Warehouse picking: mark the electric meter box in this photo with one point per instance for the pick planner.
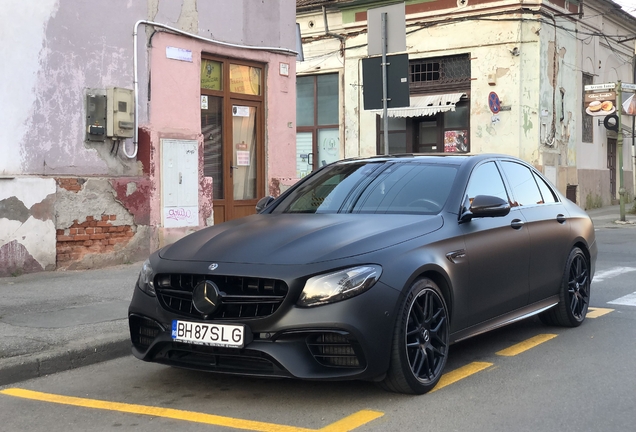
(121, 113)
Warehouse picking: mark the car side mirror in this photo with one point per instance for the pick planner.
(264, 202)
(485, 206)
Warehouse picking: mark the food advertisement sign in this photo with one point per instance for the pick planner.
(600, 104)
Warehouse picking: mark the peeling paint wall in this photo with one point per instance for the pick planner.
(101, 207)
(27, 225)
(532, 62)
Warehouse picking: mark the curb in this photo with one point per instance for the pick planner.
(21, 368)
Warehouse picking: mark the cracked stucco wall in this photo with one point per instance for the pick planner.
(27, 225)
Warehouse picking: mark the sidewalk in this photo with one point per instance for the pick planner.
(55, 321)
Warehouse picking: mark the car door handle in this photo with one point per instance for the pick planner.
(561, 219)
(517, 223)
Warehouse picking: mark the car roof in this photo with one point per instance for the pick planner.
(433, 158)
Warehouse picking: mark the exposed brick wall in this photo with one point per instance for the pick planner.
(73, 184)
(91, 237)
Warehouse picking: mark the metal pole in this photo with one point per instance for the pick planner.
(385, 117)
(621, 190)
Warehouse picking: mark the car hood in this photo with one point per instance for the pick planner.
(299, 238)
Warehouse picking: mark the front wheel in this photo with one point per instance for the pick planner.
(420, 341)
(574, 295)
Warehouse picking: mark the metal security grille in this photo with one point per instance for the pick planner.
(241, 297)
(438, 72)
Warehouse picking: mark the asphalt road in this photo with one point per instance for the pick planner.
(525, 377)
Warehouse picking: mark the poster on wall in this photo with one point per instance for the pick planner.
(456, 141)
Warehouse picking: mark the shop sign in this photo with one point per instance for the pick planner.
(600, 104)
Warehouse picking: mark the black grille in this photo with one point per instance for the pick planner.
(221, 360)
(334, 350)
(241, 297)
(143, 331)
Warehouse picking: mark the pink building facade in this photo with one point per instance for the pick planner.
(111, 152)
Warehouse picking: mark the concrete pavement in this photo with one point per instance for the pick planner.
(55, 321)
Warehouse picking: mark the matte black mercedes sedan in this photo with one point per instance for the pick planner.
(368, 269)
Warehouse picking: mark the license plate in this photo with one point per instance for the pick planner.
(221, 335)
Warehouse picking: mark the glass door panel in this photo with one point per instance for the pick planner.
(304, 155)
(244, 152)
(212, 130)
(328, 146)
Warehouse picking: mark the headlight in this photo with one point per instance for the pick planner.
(340, 285)
(146, 279)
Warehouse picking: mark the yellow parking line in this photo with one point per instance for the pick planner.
(526, 345)
(461, 373)
(353, 421)
(593, 312)
(348, 423)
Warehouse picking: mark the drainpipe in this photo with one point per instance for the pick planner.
(193, 36)
(327, 32)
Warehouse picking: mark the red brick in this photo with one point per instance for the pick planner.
(88, 243)
(90, 218)
(104, 217)
(103, 224)
(59, 232)
(97, 236)
(63, 257)
(64, 238)
(93, 223)
(98, 230)
(75, 256)
(113, 217)
(127, 227)
(82, 237)
(130, 234)
(90, 230)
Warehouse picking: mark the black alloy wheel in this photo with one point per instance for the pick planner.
(420, 346)
(574, 296)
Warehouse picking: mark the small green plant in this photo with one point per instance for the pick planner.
(17, 273)
(592, 202)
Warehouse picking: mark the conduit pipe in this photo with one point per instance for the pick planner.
(193, 36)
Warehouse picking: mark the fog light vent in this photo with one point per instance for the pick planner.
(143, 331)
(334, 350)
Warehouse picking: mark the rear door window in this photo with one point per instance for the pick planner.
(524, 187)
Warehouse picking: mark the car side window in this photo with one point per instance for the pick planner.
(524, 187)
(546, 191)
(486, 180)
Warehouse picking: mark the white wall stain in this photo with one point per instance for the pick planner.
(25, 29)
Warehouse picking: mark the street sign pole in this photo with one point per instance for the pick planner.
(619, 141)
(385, 101)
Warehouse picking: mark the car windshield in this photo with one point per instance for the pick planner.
(409, 188)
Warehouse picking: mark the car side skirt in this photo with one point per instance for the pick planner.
(505, 319)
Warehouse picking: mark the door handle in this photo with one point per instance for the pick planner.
(310, 160)
(560, 218)
(517, 223)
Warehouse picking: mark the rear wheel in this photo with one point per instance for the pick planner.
(574, 296)
(420, 341)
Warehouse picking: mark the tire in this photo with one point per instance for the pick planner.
(420, 341)
(574, 294)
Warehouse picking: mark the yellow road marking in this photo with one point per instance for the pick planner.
(461, 373)
(353, 421)
(593, 312)
(346, 424)
(526, 345)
